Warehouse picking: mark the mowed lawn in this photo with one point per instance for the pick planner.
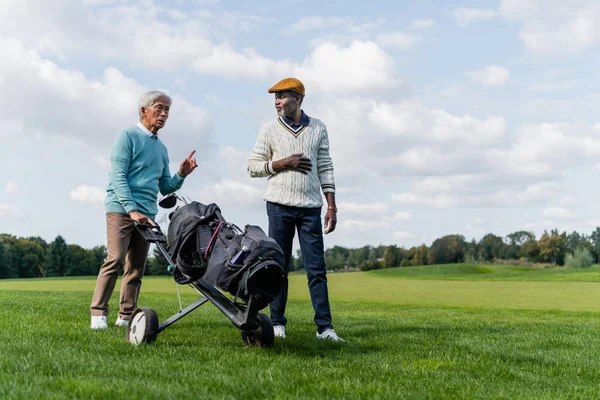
(455, 331)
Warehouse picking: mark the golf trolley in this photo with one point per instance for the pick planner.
(257, 329)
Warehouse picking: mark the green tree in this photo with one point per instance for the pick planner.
(420, 257)
(336, 257)
(98, 254)
(391, 257)
(595, 241)
(80, 262)
(157, 264)
(530, 250)
(7, 269)
(298, 261)
(553, 247)
(490, 246)
(57, 257)
(28, 258)
(519, 237)
(447, 249)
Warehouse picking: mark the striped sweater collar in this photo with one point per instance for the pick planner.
(293, 128)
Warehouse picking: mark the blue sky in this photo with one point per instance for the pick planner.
(444, 117)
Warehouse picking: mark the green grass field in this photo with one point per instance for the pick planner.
(434, 332)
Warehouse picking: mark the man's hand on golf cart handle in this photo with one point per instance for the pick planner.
(140, 218)
(188, 165)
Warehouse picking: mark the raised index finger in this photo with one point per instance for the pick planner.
(191, 154)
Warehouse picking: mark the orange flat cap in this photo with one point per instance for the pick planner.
(288, 84)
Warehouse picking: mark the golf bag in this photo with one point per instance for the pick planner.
(202, 244)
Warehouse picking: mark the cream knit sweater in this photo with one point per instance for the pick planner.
(276, 141)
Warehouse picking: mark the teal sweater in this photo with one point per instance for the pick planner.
(139, 169)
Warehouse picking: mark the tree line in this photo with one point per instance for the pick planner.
(33, 257)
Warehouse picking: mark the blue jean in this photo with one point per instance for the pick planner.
(283, 222)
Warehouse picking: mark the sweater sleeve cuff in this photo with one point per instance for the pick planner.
(269, 168)
(328, 188)
(129, 207)
(178, 178)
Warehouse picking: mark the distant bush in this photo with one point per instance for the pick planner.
(582, 258)
(370, 265)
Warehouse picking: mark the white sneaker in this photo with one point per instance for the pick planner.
(98, 322)
(329, 334)
(279, 331)
(121, 322)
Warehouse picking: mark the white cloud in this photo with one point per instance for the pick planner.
(460, 197)
(365, 209)
(422, 24)
(360, 66)
(110, 102)
(557, 213)
(364, 225)
(555, 26)
(397, 40)
(230, 193)
(402, 216)
(410, 119)
(88, 194)
(492, 75)
(315, 23)
(11, 188)
(10, 211)
(401, 235)
(465, 16)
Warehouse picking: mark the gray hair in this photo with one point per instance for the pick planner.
(149, 98)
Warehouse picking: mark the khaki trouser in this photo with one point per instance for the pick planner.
(127, 249)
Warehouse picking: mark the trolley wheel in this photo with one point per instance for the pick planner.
(143, 326)
(263, 336)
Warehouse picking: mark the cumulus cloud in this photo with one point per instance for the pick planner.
(422, 24)
(364, 209)
(532, 194)
(557, 213)
(364, 225)
(397, 40)
(402, 216)
(110, 102)
(554, 26)
(492, 75)
(360, 66)
(315, 22)
(88, 194)
(10, 211)
(465, 16)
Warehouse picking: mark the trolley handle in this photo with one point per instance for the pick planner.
(152, 233)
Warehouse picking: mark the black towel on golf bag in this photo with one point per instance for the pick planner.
(202, 243)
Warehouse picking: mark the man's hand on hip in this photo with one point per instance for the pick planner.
(330, 221)
(140, 218)
(188, 165)
(295, 162)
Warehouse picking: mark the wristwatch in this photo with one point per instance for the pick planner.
(334, 208)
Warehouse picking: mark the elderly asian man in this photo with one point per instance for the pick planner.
(139, 170)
